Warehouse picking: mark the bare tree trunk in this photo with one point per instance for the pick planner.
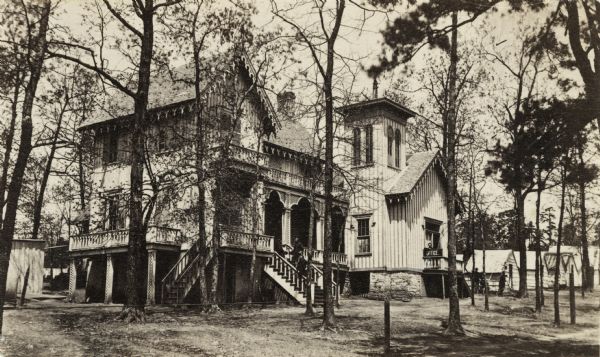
(134, 309)
(471, 236)
(486, 293)
(521, 241)
(328, 314)
(38, 48)
(39, 202)
(310, 310)
(10, 135)
(538, 253)
(558, 243)
(585, 266)
(454, 325)
(200, 174)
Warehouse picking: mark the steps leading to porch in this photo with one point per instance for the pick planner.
(285, 274)
(180, 280)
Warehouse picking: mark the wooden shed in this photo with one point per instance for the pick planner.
(25, 253)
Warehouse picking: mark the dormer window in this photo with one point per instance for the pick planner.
(369, 144)
(397, 144)
(356, 145)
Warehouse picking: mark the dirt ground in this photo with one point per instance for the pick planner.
(510, 328)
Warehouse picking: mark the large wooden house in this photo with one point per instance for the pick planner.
(388, 222)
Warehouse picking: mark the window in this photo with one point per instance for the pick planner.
(110, 148)
(390, 135)
(432, 235)
(162, 139)
(363, 237)
(116, 213)
(356, 143)
(397, 142)
(369, 144)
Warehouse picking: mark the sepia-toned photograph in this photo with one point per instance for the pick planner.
(299, 178)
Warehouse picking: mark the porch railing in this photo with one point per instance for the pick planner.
(245, 240)
(336, 257)
(120, 238)
(243, 154)
(298, 181)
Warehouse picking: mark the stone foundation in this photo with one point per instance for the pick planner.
(400, 285)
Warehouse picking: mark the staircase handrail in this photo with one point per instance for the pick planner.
(319, 271)
(194, 250)
(291, 267)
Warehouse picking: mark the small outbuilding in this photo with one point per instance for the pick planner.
(25, 254)
(495, 262)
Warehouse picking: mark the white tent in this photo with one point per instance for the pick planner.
(495, 261)
(531, 267)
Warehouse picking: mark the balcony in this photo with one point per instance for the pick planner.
(120, 239)
(244, 155)
(299, 182)
(238, 240)
(336, 257)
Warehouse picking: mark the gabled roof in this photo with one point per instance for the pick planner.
(416, 166)
(495, 260)
(178, 88)
(377, 102)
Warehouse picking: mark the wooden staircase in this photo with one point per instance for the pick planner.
(184, 274)
(285, 274)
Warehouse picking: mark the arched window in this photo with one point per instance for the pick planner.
(390, 136)
(369, 144)
(397, 142)
(356, 143)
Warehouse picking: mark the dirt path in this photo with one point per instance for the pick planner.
(509, 329)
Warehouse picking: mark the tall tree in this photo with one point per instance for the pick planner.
(32, 19)
(323, 45)
(145, 11)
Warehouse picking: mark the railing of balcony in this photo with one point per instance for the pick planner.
(120, 238)
(243, 154)
(336, 257)
(298, 181)
(246, 240)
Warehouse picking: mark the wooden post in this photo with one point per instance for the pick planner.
(72, 279)
(24, 292)
(151, 279)
(572, 296)
(443, 287)
(108, 285)
(386, 323)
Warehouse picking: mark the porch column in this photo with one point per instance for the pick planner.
(151, 288)
(260, 193)
(72, 279)
(286, 226)
(108, 286)
(320, 233)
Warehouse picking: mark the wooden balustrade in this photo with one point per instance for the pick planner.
(288, 271)
(120, 238)
(298, 181)
(246, 240)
